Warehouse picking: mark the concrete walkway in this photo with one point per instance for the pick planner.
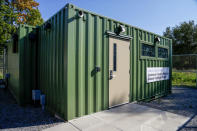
(129, 117)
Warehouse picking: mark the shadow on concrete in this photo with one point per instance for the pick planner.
(186, 125)
(182, 101)
(24, 118)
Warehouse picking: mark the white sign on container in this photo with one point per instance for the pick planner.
(154, 74)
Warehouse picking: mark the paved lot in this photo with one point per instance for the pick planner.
(129, 117)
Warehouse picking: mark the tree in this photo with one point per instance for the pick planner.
(15, 12)
(27, 12)
(184, 37)
(7, 15)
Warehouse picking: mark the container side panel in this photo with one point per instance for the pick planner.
(87, 87)
(71, 58)
(52, 63)
(21, 65)
(29, 60)
(140, 89)
(105, 67)
(13, 69)
(81, 68)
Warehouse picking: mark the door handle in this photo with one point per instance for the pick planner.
(111, 76)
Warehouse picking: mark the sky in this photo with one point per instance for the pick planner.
(151, 15)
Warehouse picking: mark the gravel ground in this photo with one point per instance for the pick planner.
(28, 118)
(182, 101)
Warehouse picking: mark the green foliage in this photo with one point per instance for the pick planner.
(15, 12)
(184, 37)
(27, 12)
(184, 62)
(7, 16)
(184, 79)
(35, 18)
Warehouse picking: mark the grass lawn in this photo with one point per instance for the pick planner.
(184, 79)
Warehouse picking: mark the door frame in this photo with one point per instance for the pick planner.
(121, 37)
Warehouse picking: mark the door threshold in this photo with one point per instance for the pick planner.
(118, 105)
(122, 104)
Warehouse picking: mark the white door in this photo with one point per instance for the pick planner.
(119, 77)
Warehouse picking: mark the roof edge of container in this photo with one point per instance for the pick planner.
(69, 5)
(26, 25)
(65, 6)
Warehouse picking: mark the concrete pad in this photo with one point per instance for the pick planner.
(129, 117)
(102, 127)
(86, 122)
(172, 121)
(62, 127)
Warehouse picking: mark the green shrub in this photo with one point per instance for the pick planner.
(184, 79)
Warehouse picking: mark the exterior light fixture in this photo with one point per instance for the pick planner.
(120, 29)
(47, 26)
(157, 39)
(80, 14)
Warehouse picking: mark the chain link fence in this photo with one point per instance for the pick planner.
(3, 64)
(184, 72)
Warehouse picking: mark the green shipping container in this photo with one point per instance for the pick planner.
(87, 63)
(21, 60)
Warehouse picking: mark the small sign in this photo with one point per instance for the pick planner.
(154, 74)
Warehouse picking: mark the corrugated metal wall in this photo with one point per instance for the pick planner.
(27, 52)
(69, 53)
(139, 88)
(13, 69)
(21, 65)
(52, 63)
(87, 48)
